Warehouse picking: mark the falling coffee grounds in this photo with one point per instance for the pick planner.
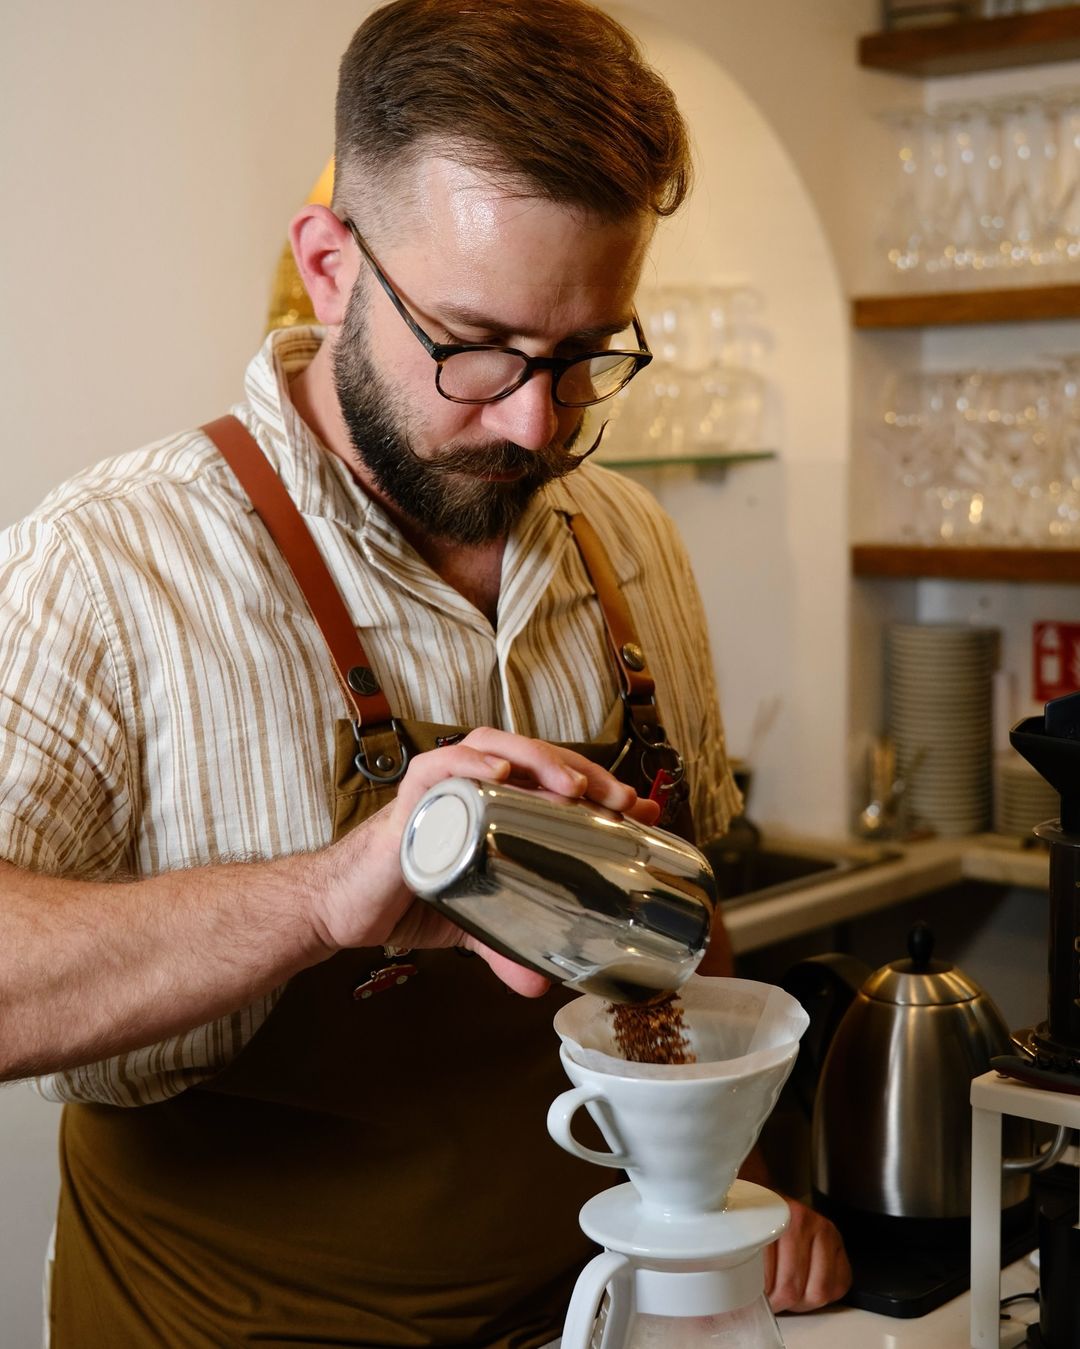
(651, 1032)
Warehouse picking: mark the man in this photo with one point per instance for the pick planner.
(208, 758)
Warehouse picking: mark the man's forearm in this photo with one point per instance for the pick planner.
(91, 969)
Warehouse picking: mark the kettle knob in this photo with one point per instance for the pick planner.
(920, 945)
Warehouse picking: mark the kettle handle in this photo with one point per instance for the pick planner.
(826, 986)
(611, 1270)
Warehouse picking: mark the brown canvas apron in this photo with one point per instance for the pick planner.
(370, 1171)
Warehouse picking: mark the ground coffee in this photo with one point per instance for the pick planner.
(651, 1032)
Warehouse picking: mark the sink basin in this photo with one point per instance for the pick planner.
(749, 871)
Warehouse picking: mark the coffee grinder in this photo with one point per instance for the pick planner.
(1041, 1081)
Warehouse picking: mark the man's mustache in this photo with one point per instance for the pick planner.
(504, 457)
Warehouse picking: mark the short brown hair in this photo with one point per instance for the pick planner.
(552, 97)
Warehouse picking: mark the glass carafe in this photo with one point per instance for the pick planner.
(628, 1300)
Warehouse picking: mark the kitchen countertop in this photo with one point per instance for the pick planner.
(920, 868)
(949, 1327)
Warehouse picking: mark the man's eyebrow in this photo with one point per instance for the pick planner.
(467, 317)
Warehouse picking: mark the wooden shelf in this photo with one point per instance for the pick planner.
(899, 561)
(976, 44)
(1030, 304)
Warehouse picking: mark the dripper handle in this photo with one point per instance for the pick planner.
(607, 1270)
(560, 1115)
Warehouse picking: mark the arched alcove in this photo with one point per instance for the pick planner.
(768, 541)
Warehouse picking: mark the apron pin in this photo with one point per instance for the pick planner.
(389, 976)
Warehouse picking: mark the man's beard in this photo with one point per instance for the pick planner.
(449, 495)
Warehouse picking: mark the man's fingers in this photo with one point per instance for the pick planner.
(500, 756)
(526, 982)
(789, 1274)
(808, 1267)
(830, 1272)
(558, 770)
(455, 761)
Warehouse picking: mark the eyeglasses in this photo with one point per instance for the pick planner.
(483, 373)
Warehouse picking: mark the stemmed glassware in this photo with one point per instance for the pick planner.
(984, 456)
(905, 446)
(701, 396)
(986, 185)
(1063, 173)
(1063, 494)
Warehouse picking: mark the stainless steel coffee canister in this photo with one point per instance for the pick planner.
(575, 891)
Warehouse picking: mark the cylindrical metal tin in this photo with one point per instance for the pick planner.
(568, 888)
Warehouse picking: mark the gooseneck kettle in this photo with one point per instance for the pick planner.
(891, 1132)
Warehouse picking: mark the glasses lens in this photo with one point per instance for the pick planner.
(594, 378)
(474, 376)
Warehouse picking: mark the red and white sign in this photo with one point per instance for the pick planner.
(1056, 648)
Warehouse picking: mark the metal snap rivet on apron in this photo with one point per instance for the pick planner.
(384, 763)
(633, 655)
(362, 680)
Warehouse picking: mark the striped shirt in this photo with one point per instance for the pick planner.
(166, 700)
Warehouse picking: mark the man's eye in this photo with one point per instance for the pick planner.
(458, 340)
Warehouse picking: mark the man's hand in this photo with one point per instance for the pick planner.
(368, 904)
(808, 1267)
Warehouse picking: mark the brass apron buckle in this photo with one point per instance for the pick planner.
(386, 768)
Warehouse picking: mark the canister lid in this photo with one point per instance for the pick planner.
(441, 837)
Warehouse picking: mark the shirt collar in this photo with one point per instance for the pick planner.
(318, 482)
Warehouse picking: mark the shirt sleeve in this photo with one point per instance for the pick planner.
(65, 803)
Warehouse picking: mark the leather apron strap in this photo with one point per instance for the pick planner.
(355, 675)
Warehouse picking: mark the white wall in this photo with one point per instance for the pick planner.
(150, 158)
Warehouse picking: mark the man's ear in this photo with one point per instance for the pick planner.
(322, 247)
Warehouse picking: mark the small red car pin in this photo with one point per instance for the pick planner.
(378, 981)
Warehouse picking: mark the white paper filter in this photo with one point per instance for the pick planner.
(733, 1027)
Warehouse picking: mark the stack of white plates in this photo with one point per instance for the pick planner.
(939, 713)
(1022, 799)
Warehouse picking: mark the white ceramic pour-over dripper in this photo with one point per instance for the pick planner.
(680, 1132)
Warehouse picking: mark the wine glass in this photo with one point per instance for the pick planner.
(904, 445)
(906, 224)
(1062, 110)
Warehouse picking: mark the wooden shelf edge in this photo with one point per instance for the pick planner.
(1039, 38)
(1029, 304)
(1054, 566)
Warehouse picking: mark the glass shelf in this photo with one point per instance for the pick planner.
(718, 461)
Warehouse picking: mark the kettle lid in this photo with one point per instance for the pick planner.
(918, 979)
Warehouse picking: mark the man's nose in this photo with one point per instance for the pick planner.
(528, 416)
